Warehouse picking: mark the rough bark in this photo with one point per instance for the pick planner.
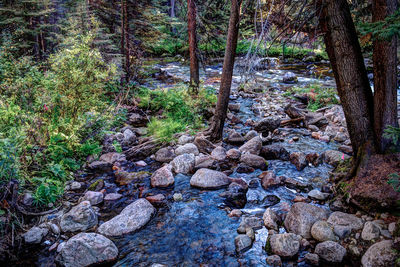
(218, 121)
(348, 66)
(125, 39)
(194, 63)
(385, 80)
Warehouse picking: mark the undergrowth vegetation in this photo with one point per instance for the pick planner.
(318, 96)
(52, 119)
(179, 110)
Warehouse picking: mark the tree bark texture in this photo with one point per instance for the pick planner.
(218, 121)
(125, 39)
(194, 63)
(347, 61)
(385, 80)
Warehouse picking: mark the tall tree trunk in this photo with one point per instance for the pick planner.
(348, 66)
(218, 121)
(172, 13)
(385, 78)
(125, 39)
(194, 63)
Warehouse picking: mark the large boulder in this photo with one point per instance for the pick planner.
(242, 243)
(162, 177)
(381, 254)
(268, 125)
(183, 163)
(132, 218)
(285, 245)
(209, 179)
(371, 231)
(219, 153)
(301, 218)
(87, 249)
(253, 146)
(330, 251)
(235, 196)
(254, 161)
(188, 148)
(344, 223)
(79, 218)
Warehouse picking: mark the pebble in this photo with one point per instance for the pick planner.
(177, 197)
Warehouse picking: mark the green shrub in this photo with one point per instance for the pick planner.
(318, 96)
(180, 110)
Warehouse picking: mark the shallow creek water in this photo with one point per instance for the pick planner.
(197, 230)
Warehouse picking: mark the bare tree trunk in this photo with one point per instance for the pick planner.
(218, 121)
(172, 9)
(385, 78)
(125, 51)
(194, 63)
(348, 66)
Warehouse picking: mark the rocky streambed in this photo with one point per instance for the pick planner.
(262, 197)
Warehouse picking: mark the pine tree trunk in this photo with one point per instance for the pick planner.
(348, 66)
(385, 78)
(218, 121)
(194, 63)
(125, 39)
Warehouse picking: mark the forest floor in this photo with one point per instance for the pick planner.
(270, 192)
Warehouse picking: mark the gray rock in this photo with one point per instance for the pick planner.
(132, 218)
(184, 139)
(271, 219)
(188, 148)
(206, 161)
(112, 197)
(235, 138)
(254, 161)
(183, 163)
(79, 218)
(209, 179)
(204, 145)
(299, 160)
(271, 152)
(93, 197)
(35, 235)
(322, 231)
(113, 157)
(87, 249)
(316, 194)
(243, 243)
(177, 197)
(269, 179)
(235, 107)
(75, 185)
(129, 137)
(344, 223)
(165, 155)
(392, 227)
(27, 199)
(250, 135)
(219, 153)
(274, 261)
(233, 154)
(370, 231)
(312, 259)
(301, 218)
(334, 157)
(330, 251)
(268, 125)
(285, 245)
(100, 166)
(381, 254)
(252, 222)
(289, 77)
(253, 146)
(162, 177)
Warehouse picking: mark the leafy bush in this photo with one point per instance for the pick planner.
(318, 97)
(180, 110)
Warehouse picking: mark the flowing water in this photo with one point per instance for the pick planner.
(197, 230)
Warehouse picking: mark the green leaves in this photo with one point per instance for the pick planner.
(385, 29)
